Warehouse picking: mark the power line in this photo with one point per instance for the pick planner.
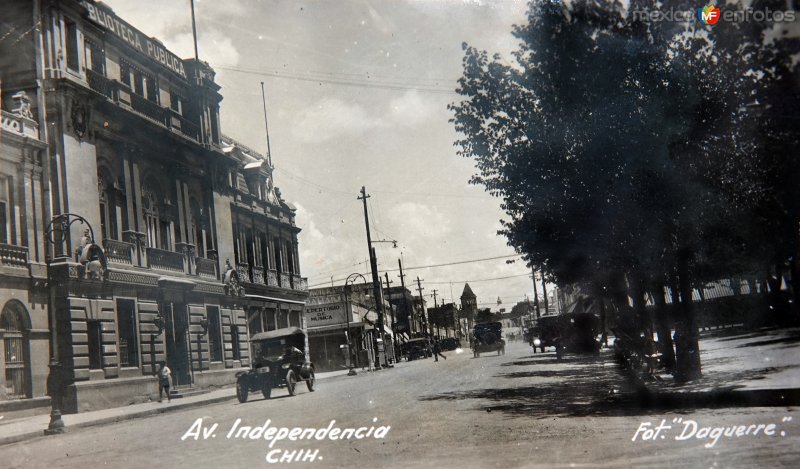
(479, 280)
(342, 81)
(455, 263)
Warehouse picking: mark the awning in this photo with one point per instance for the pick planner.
(334, 327)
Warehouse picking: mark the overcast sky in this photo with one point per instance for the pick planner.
(357, 95)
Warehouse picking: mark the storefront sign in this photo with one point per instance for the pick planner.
(325, 315)
(109, 21)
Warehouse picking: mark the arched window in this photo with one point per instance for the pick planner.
(16, 323)
(158, 227)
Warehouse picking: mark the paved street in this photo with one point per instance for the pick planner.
(516, 410)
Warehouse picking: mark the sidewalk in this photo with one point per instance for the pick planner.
(740, 368)
(12, 431)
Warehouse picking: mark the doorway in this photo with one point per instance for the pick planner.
(178, 343)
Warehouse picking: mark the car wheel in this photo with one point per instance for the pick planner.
(241, 391)
(266, 391)
(291, 382)
(310, 381)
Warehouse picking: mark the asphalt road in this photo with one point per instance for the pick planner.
(516, 410)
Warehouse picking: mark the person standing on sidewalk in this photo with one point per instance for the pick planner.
(164, 380)
(437, 350)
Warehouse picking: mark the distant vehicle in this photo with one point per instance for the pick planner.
(568, 333)
(278, 360)
(488, 337)
(450, 343)
(415, 349)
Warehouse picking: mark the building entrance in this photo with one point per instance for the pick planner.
(178, 343)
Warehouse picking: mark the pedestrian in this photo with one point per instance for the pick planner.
(437, 351)
(164, 379)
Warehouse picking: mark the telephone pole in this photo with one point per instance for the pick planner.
(393, 313)
(425, 324)
(376, 285)
(535, 294)
(405, 304)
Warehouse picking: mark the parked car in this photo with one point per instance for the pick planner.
(416, 348)
(450, 343)
(488, 337)
(278, 360)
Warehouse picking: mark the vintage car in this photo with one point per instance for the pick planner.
(568, 333)
(487, 337)
(416, 348)
(278, 360)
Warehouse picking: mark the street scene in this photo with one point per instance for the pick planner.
(399, 233)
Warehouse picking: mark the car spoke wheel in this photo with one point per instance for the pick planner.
(291, 382)
(241, 391)
(310, 382)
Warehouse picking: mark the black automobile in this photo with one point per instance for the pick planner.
(568, 333)
(416, 348)
(487, 337)
(278, 360)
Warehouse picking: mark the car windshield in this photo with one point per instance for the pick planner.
(269, 349)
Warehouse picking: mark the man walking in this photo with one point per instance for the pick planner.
(437, 350)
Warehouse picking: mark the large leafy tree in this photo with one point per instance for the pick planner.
(613, 144)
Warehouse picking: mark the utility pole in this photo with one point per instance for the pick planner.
(405, 304)
(435, 304)
(535, 294)
(393, 313)
(425, 324)
(376, 286)
(544, 293)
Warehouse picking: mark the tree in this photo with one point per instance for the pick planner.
(608, 139)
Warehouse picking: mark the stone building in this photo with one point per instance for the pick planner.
(24, 333)
(171, 242)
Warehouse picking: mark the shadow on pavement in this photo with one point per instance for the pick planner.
(603, 391)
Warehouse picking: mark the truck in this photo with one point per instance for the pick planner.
(488, 337)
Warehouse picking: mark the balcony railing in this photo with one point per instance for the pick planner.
(272, 278)
(121, 93)
(206, 267)
(13, 256)
(164, 260)
(284, 278)
(244, 272)
(118, 251)
(258, 275)
(101, 84)
(299, 283)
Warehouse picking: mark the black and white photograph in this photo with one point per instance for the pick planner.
(399, 233)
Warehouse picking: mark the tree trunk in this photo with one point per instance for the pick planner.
(687, 348)
(663, 330)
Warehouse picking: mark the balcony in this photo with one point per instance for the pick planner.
(118, 251)
(258, 275)
(272, 278)
(299, 283)
(284, 279)
(13, 256)
(120, 93)
(244, 272)
(206, 268)
(165, 260)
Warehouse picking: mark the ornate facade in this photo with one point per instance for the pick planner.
(182, 247)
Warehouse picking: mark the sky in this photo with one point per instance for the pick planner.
(357, 94)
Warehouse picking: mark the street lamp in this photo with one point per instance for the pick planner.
(55, 234)
(348, 284)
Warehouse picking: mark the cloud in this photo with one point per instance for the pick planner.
(410, 109)
(333, 117)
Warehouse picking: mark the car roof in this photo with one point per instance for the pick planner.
(286, 331)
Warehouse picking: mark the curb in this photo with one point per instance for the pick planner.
(116, 418)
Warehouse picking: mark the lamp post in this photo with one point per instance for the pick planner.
(55, 234)
(348, 284)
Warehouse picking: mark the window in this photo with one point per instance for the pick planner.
(214, 333)
(237, 353)
(95, 57)
(176, 103)
(15, 348)
(126, 324)
(71, 45)
(125, 73)
(5, 218)
(95, 331)
(157, 227)
(108, 207)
